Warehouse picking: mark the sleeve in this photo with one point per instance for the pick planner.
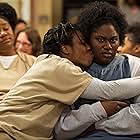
(134, 63)
(125, 122)
(73, 122)
(53, 78)
(112, 90)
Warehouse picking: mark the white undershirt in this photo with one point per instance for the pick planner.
(6, 61)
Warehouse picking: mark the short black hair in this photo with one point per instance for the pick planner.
(134, 32)
(8, 13)
(57, 36)
(97, 13)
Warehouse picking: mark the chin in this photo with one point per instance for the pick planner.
(106, 62)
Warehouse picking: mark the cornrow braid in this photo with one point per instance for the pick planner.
(59, 35)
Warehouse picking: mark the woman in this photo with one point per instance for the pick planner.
(57, 79)
(20, 25)
(132, 41)
(104, 27)
(28, 41)
(13, 64)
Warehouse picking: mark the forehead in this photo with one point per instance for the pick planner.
(106, 30)
(22, 36)
(3, 22)
(77, 34)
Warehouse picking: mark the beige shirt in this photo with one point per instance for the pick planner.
(11, 74)
(32, 107)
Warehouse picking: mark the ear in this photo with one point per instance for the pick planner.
(64, 49)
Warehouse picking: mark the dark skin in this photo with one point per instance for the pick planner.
(104, 42)
(6, 39)
(77, 54)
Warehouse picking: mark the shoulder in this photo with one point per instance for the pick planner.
(132, 58)
(57, 61)
(134, 63)
(26, 56)
(27, 59)
(60, 65)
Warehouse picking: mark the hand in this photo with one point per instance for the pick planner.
(112, 107)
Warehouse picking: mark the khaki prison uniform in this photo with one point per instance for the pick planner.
(32, 107)
(9, 76)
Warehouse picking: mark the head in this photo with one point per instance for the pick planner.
(20, 25)
(8, 19)
(132, 41)
(28, 41)
(66, 40)
(104, 27)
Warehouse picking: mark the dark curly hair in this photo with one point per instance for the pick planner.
(59, 35)
(8, 13)
(98, 13)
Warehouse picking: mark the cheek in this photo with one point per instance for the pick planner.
(29, 49)
(115, 49)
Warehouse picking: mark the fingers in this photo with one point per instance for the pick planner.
(122, 104)
(112, 107)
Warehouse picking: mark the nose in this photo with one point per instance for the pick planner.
(2, 33)
(108, 45)
(19, 46)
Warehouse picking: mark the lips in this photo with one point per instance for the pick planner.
(6, 41)
(107, 54)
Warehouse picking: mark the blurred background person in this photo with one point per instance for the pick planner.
(20, 25)
(131, 8)
(132, 41)
(28, 41)
(13, 64)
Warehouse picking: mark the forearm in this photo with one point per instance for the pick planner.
(112, 90)
(125, 122)
(73, 122)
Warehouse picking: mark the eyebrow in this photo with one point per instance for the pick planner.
(103, 36)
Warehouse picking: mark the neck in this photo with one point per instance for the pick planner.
(7, 52)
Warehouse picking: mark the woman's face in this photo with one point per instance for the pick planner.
(80, 53)
(23, 44)
(130, 47)
(104, 42)
(6, 35)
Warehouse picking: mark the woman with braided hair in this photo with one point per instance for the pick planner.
(31, 109)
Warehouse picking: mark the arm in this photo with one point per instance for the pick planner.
(112, 90)
(125, 122)
(73, 122)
